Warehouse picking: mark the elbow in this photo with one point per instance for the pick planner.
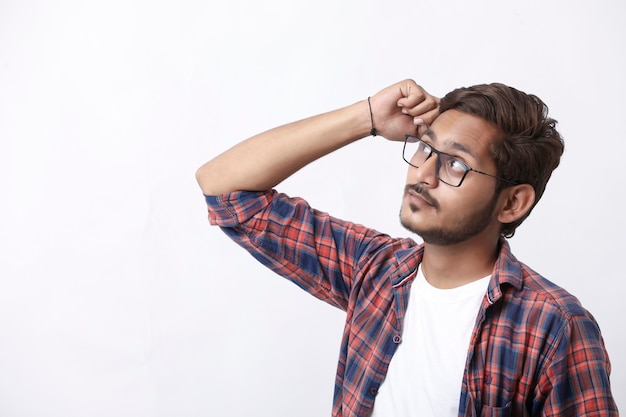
(216, 179)
(213, 180)
(203, 177)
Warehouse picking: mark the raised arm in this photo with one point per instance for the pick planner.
(262, 161)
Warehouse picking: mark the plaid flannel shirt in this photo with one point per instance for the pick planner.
(534, 351)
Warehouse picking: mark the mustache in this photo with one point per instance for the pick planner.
(418, 189)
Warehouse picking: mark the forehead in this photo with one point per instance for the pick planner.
(463, 132)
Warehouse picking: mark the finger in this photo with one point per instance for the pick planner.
(428, 117)
(412, 95)
(426, 105)
(422, 123)
(422, 129)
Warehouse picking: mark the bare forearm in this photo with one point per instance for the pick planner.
(264, 160)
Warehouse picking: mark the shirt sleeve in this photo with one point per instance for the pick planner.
(314, 250)
(576, 381)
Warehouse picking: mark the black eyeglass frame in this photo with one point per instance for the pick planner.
(438, 166)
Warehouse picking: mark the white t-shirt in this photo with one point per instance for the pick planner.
(426, 372)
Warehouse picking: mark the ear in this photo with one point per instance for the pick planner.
(515, 202)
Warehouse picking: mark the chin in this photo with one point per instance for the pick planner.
(439, 236)
(409, 223)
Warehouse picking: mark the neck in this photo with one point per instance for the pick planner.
(455, 265)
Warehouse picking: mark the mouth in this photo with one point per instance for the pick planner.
(421, 196)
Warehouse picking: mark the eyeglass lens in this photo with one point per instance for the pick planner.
(449, 169)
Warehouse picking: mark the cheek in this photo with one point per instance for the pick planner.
(465, 199)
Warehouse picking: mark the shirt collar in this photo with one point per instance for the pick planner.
(507, 269)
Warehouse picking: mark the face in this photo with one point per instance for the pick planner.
(446, 215)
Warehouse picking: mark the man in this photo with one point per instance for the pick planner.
(456, 325)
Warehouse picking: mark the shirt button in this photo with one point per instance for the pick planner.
(374, 391)
(397, 338)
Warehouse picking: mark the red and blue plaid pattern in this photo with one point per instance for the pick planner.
(535, 351)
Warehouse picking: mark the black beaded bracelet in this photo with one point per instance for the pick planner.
(373, 131)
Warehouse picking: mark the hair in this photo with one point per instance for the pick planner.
(529, 147)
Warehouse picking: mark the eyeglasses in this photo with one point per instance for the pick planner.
(450, 170)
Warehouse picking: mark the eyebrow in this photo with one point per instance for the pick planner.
(455, 145)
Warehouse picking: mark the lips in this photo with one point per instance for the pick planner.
(421, 194)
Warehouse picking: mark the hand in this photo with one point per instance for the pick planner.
(404, 108)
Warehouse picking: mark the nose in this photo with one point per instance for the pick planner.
(426, 174)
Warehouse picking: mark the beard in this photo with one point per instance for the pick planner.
(469, 225)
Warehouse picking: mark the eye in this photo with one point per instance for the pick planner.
(456, 165)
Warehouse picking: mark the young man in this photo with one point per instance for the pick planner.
(456, 325)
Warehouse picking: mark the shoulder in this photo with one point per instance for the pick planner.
(527, 301)
(545, 310)
(540, 290)
(521, 285)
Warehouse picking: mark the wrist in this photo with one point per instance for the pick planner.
(373, 128)
(364, 120)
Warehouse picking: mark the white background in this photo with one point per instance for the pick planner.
(118, 298)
